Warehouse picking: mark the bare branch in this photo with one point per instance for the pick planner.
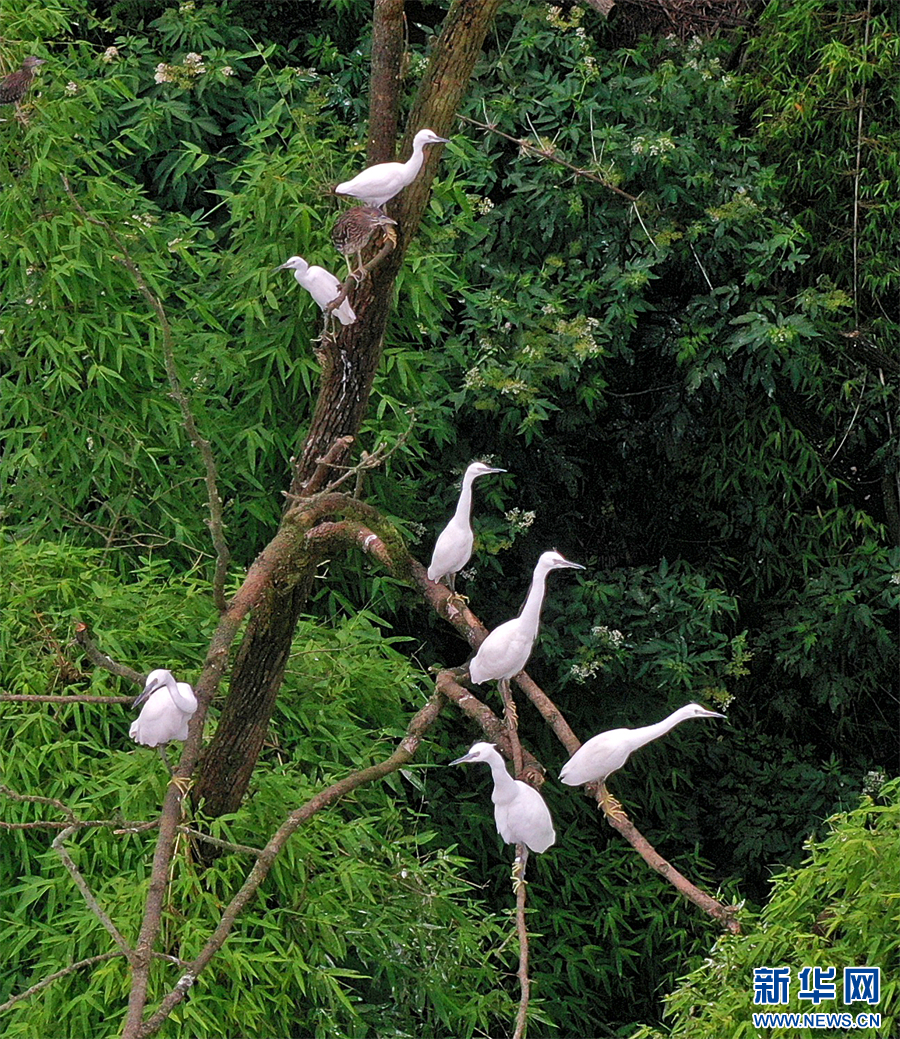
(74, 698)
(620, 821)
(448, 684)
(550, 155)
(522, 930)
(84, 639)
(214, 501)
(87, 894)
(44, 982)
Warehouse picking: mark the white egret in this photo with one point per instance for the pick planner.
(521, 814)
(453, 547)
(505, 651)
(322, 285)
(168, 707)
(378, 184)
(608, 751)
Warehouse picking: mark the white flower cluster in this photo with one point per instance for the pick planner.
(611, 636)
(652, 145)
(71, 88)
(110, 54)
(874, 780)
(181, 74)
(474, 380)
(417, 531)
(895, 578)
(518, 519)
(581, 672)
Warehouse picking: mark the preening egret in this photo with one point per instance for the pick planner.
(521, 814)
(453, 548)
(14, 87)
(322, 285)
(354, 229)
(378, 184)
(168, 707)
(507, 648)
(607, 752)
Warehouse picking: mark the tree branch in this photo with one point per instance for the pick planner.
(84, 639)
(384, 82)
(44, 982)
(620, 821)
(447, 683)
(87, 894)
(550, 155)
(214, 501)
(522, 931)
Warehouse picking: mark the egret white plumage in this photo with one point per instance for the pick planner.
(608, 751)
(521, 814)
(168, 707)
(453, 548)
(378, 184)
(322, 285)
(505, 651)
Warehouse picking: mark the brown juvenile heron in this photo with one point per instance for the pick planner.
(14, 87)
(354, 229)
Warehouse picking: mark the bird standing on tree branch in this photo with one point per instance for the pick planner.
(378, 184)
(354, 229)
(14, 87)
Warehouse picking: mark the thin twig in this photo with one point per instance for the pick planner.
(522, 929)
(544, 153)
(73, 698)
(44, 982)
(87, 894)
(214, 501)
(862, 390)
(84, 639)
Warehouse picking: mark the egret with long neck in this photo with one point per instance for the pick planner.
(453, 548)
(379, 184)
(607, 752)
(168, 707)
(521, 814)
(505, 651)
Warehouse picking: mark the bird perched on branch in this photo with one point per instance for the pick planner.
(453, 548)
(14, 87)
(378, 184)
(607, 752)
(505, 651)
(321, 285)
(521, 814)
(354, 229)
(168, 707)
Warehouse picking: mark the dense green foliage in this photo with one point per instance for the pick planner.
(689, 392)
(838, 909)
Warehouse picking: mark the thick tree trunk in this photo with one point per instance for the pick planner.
(388, 46)
(350, 358)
